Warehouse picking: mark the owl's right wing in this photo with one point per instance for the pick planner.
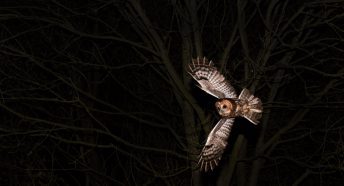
(210, 79)
(216, 143)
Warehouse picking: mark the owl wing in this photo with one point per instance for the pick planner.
(216, 143)
(210, 79)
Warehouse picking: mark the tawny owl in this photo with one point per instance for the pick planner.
(228, 106)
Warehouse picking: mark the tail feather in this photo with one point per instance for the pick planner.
(252, 106)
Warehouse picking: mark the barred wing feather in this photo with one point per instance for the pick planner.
(210, 79)
(216, 143)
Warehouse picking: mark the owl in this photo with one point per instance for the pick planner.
(228, 106)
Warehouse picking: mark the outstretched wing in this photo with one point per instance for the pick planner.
(216, 143)
(210, 79)
(251, 106)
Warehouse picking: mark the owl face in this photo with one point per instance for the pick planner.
(225, 107)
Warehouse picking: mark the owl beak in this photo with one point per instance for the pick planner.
(221, 111)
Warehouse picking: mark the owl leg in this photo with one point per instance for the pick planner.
(251, 107)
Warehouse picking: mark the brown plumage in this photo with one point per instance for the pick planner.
(246, 106)
(228, 106)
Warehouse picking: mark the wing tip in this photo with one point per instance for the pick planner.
(200, 61)
(208, 165)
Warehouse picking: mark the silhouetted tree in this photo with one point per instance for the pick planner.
(97, 93)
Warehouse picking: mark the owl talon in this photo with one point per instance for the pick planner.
(251, 107)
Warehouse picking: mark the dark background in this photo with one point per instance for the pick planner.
(96, 92)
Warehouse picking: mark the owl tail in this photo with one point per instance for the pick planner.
(251, 106)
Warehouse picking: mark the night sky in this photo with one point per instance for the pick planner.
(97, 92)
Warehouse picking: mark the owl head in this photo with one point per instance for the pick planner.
(225, 107)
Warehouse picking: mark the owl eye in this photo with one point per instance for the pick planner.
(224, 106)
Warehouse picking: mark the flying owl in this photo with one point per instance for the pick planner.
(228, 106)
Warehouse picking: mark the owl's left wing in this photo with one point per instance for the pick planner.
(210, 79)
(216, 143)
